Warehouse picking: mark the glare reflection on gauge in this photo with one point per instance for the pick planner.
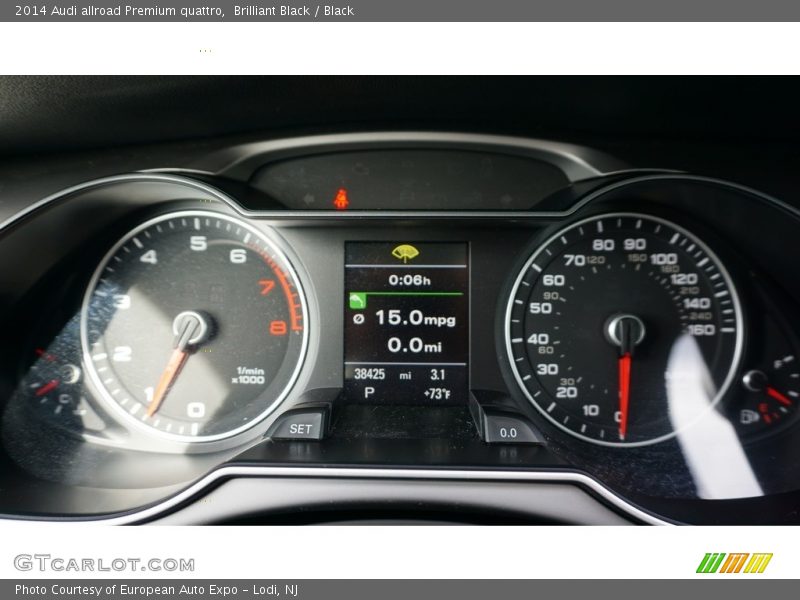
(194, 326)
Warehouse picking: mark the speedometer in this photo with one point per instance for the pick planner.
(622, 329)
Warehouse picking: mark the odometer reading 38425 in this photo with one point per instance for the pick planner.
(622, 329)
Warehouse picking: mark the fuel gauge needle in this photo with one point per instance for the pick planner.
(773, 393)
(190, 329)
(48, 387)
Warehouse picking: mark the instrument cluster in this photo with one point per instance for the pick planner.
(575, 322)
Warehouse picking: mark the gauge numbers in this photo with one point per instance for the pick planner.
(620, 326)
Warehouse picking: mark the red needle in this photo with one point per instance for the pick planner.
(624, 392)
(773, 393)
(47, 387)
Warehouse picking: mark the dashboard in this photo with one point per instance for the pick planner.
(400, 325)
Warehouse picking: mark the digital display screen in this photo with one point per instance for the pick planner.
(410, 179)
(406, 331)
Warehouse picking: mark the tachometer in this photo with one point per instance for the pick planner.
(622, 329)
(194, 326)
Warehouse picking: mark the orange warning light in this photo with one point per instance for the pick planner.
(340, 202)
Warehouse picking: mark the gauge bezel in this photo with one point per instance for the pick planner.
(560, 231)
(126, 418)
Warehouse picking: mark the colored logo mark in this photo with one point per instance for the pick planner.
(738, 562)
(358, 300)
(405, 252)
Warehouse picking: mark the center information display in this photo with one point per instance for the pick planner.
(406, 331)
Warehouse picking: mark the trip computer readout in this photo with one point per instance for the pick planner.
(406, 329)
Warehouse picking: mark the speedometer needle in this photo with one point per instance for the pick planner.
(626, 332)
(624, 362)
(190, 328)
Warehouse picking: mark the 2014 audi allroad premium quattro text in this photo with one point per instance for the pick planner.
(187, 12)
(560, 302)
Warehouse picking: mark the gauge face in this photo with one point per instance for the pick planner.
(772, 397)
(53, 385)
(621, 329)
(194, 326)
(771, 389)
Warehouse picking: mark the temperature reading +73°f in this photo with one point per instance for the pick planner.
(437, 393)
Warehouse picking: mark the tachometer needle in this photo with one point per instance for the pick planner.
(190, 329)
(174, 366)
(624, 362)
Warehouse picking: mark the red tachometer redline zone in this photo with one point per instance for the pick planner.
(292, 298)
